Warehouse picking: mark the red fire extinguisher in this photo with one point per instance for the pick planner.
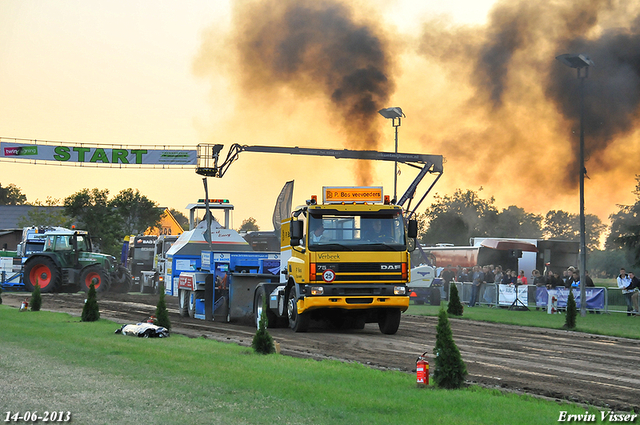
(25, 305)
(422, 370)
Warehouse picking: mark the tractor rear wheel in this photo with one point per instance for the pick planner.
(44, 272)
(97, 275)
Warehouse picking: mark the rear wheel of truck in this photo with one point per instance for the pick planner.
(258, 306)
(299, 322)
(122, 280)
(96, 275)
(44, 272)
(434, 296)
(183, 302)
(389, 321)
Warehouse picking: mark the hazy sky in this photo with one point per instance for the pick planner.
(476, 80)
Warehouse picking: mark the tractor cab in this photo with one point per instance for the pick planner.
(60, 242)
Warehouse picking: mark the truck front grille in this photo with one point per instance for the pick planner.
(362, 272)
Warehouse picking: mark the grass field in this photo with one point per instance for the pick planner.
(54, 362)
(615, 324)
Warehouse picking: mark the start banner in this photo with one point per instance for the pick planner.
(97, 155)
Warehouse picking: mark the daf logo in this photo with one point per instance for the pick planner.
(390, 267)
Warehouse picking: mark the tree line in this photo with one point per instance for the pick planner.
(458, 217)
(454, 218)
(107, 219)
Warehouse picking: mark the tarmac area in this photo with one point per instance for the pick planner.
(598, 370)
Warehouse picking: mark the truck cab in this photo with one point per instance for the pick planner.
(141, 257)
(162, 245)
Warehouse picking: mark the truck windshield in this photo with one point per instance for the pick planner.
(143, 253)
(352, 232)
(32, 247)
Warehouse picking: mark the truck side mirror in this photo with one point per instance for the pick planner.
(295, 232)
(412, 229)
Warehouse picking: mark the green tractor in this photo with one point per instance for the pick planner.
(68, 264)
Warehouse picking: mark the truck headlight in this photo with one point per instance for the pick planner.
(399, 290)
(317, 290)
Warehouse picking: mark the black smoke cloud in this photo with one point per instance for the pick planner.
(612, 89)
(517, 47)
(317, 48)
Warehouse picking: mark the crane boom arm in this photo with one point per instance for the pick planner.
(209, 166)
(208, 156)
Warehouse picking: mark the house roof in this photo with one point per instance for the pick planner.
(10, 215)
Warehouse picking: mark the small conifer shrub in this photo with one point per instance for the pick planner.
(91, 311)
(162, 314)
(450, 370)
(36, 298)
(455, 307)
(262, 342)
(572, 312)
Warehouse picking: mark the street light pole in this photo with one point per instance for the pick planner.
(583, 242)
(580, 62)
(395, 165)
(395, 114)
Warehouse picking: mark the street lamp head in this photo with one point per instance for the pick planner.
(575, 60)
(391, 113)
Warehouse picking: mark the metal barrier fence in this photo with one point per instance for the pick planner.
(614, 301)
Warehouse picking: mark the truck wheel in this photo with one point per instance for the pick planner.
(97, 275)
(156, 284)
(272, 319)
(43, 271)
(389, 321)
(183, 302)
(121, 281)
(299, 322)
(191, 306)
(434, 296)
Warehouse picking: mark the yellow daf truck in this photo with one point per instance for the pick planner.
(346, 260)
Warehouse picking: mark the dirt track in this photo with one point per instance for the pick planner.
(599, 370)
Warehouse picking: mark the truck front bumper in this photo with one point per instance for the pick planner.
(353, 302)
